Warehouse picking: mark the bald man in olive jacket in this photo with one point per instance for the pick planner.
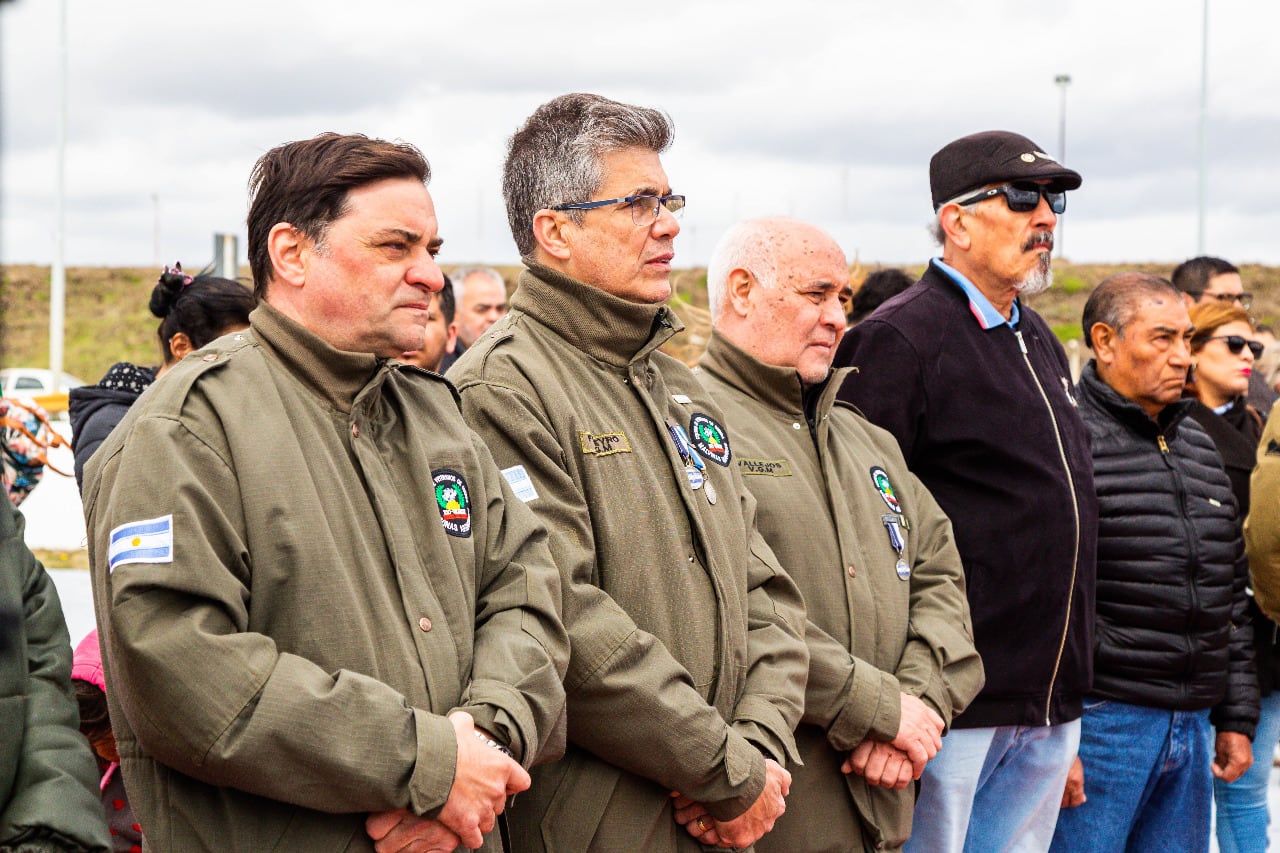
(891, 650)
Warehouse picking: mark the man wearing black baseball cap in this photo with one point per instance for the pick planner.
(977, 390)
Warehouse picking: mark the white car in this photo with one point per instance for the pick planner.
(35, 384)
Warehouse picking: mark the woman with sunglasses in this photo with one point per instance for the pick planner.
(1223, 353)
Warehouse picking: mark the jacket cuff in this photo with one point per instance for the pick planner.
(501, 710)
(873, 709)
(744, 770)
(760, 722)
(437, 763)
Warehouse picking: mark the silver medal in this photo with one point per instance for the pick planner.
(695, 477)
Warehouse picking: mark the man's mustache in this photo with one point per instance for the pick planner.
(1036, 239)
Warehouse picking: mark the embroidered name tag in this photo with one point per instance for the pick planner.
(765, 467)
(603, 443)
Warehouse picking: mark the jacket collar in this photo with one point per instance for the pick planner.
(777, 387)
(1105, 398)
(599, 324)
(331, 374)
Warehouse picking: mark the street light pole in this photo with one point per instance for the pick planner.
(1062, 81)
(58, 273)
(1204, 130)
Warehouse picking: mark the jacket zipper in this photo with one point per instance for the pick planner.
(1181, 494)
(1075, 509)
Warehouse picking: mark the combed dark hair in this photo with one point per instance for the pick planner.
(448, 302)
(1192, 277)
(878, 287)
(306, 184)
(1115, 301)
(201, 307)
(554, 158)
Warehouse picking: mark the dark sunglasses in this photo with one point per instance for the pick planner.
(1236, 343)
(1021, 198)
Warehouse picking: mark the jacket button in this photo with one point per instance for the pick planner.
(355, 430)
(690, 558)
(853, 573)
(212, 356)
(425, 624)
(796, 425)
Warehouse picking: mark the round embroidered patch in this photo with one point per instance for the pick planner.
(885, 488)
(453, 501)
(709, 438)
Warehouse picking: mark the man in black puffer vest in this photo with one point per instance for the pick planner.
(1173, 653)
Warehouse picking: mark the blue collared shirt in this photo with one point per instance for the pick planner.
(979, 305)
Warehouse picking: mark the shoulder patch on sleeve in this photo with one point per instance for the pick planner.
(147, 541)
(520, 482)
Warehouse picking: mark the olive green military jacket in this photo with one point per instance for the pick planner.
(688, 661)
(302, 560)
(835, 502)
(1262, 527)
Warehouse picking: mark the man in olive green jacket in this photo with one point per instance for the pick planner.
(891, 647)
(688, 664)
(326, 621)
(1262, 527)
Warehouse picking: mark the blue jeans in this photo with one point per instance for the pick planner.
(1242, 805)
(1146, 781)
(994, 790)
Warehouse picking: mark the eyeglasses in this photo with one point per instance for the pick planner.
(1245, 299)
(1237, 343)
(645, 209)
(1021, 198)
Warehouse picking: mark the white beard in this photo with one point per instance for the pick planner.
(1038, 281)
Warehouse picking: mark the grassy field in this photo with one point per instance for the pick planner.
(107, 318)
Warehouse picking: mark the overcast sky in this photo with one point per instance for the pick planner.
(820, 109)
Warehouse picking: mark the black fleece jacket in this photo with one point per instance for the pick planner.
(95, 410)
(1173, 627)
(986, 420)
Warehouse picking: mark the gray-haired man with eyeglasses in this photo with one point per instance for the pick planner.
(688, 660)
(977, 390)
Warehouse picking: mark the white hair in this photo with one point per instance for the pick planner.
(459, 279)
(745, 246)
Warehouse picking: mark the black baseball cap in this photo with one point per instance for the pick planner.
(990, 157)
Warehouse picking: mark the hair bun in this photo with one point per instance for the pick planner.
(167, 290)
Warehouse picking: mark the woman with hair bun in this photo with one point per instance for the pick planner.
(193, 311)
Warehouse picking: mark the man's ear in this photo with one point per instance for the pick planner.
(549, 228)
(287, 248)
(1103, 338)
(737, 291)
(952, 220)
(451, 338)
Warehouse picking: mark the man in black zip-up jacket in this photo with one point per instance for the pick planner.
(977, 390)
(1173, 650)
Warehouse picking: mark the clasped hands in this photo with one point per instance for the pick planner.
(745, 829)
(483, 780)
(896, 763)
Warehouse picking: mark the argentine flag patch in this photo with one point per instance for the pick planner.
(149, 541)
